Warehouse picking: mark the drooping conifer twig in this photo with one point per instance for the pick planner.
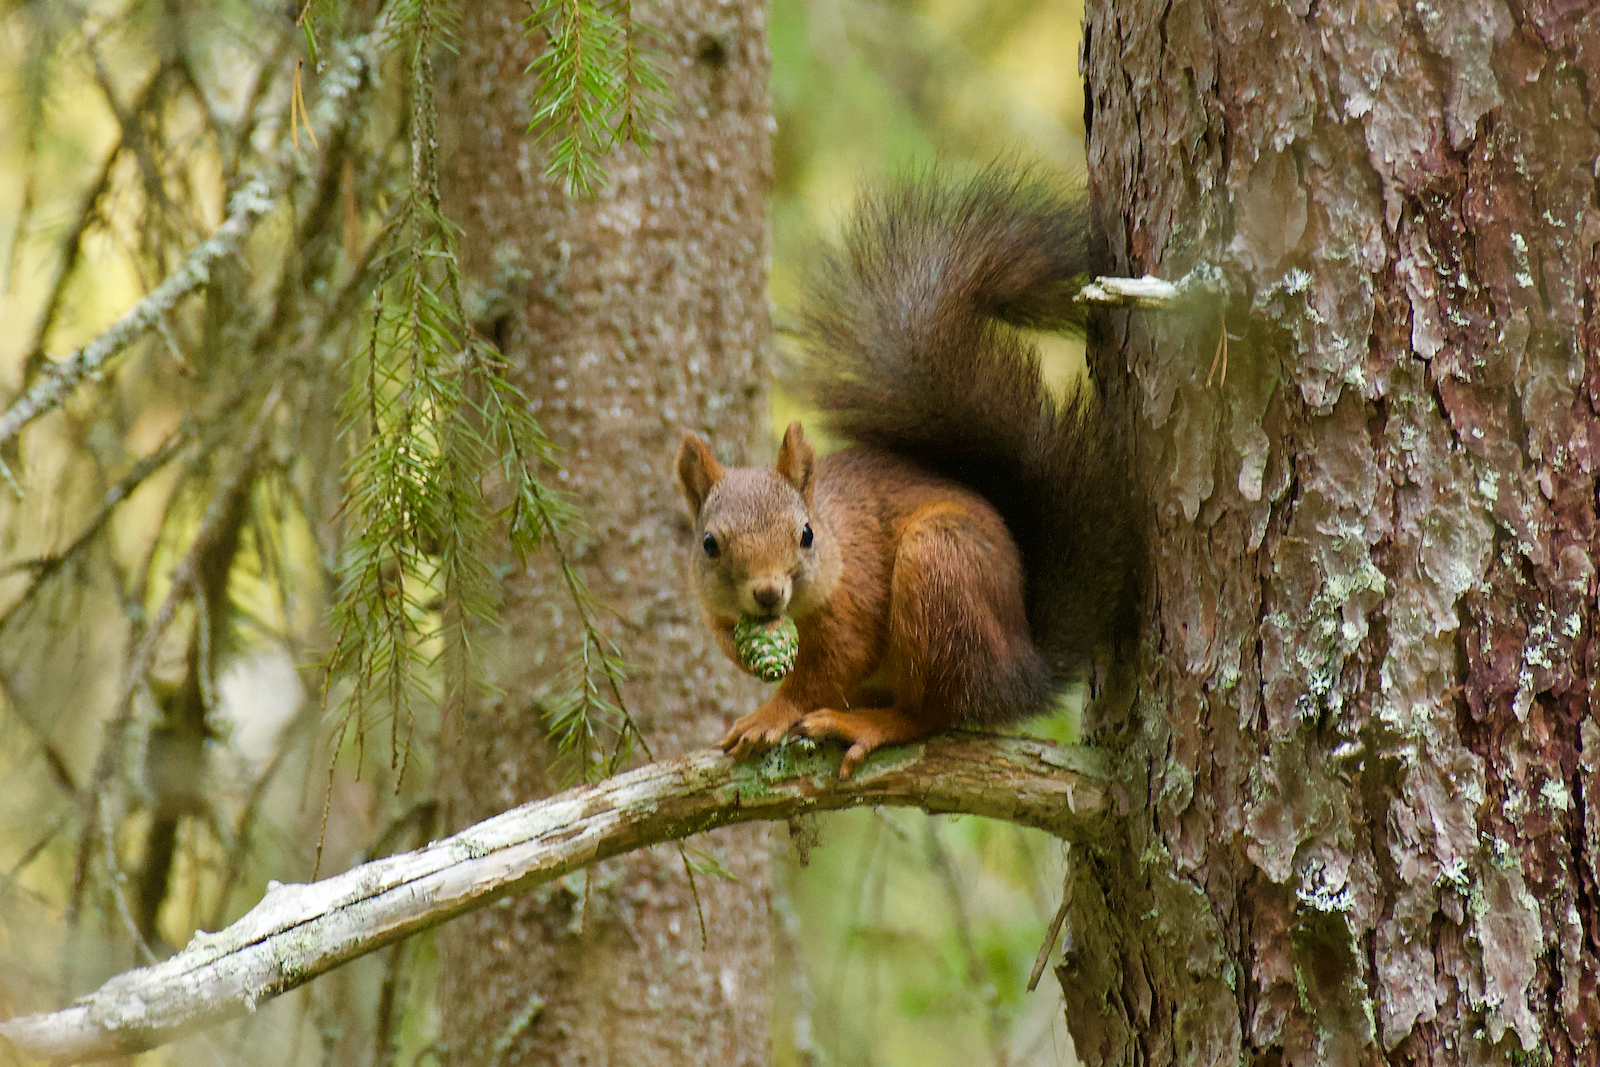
(300, 931)
(596, 87)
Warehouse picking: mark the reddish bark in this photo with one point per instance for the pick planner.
(1370, 825)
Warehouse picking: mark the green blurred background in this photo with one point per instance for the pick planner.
(904, 940)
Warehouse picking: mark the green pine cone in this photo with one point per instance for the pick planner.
(766, 646)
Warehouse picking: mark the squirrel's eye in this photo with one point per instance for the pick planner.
(710, 545)
(805, 536)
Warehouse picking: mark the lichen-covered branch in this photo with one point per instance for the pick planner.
(300, 931)
(58, 381)
(253, 199)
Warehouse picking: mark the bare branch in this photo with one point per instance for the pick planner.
(1199, 287)
(72, 243)
(249, 204)
(184, 580)
(254, 198)
(44, 567)
(300, 931)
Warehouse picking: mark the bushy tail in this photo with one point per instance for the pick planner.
(913, 335)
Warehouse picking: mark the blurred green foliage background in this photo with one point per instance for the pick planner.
(903, 940)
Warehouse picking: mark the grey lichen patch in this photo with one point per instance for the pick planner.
(1322, 695)
(1336, 623)
(1177, 786)
(1326, 579)
(1365, 577)
(800, 759)
(1555, 795)
(794, 756)
(468, 848)
(293, 948)
(1454, 873)
(1323, 889)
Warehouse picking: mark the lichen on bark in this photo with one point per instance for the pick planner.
(1363, 745)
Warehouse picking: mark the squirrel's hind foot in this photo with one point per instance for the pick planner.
(863, 731)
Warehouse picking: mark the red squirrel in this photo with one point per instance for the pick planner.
(972, 549)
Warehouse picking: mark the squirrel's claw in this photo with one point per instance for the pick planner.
(855, 730)
(762, 729)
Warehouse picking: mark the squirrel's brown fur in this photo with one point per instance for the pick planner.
(974, 547)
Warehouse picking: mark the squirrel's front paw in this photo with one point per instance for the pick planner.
(760, 730)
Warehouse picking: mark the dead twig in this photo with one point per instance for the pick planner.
(1054, 931)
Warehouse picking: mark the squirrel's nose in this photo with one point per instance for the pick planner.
(766, 593)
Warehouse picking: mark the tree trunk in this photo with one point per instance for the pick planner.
(628, 320)
(1361, 766)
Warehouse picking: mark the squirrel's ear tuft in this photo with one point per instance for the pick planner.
(797, 461)
(698, 472)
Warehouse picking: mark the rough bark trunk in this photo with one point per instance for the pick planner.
(1370, 824)
(646, 315)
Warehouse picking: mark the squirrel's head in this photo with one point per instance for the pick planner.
(760, 546)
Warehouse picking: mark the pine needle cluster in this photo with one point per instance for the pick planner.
(597, 86)
(435, 425)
